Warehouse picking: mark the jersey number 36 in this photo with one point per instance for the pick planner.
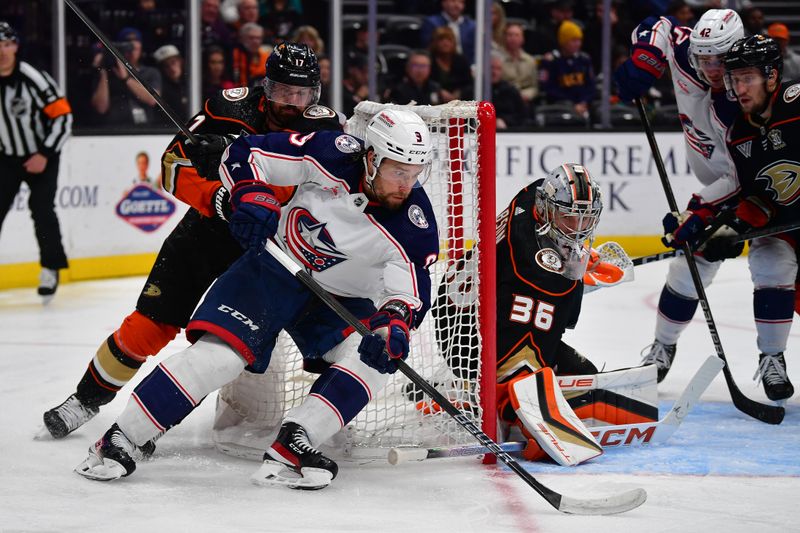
(525, 308)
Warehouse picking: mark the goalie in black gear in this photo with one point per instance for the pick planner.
(544, 263)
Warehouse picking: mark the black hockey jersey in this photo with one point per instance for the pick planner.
(767, 156)
(535, 303)
(239, 111)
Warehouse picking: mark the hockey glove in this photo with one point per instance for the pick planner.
(389, 327)
(255, 214)
(688, 226)
(754, 212)
(206, 153)
(639, 72)
(721, 246)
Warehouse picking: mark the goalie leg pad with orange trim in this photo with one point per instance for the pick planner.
(546, 414)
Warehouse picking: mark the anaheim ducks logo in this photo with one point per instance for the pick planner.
(783, 179)
(310, 241)
(548, 259)
(152, 290)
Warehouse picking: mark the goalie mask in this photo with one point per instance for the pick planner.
(568, 207)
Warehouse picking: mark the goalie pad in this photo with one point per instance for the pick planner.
(609, 265)
(625, 396)
(546, 414)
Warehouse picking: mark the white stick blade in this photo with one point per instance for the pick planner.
(619, 503)
(403, 455)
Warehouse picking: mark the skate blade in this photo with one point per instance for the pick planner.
(46, 299)
(98, 469)
(273, 473)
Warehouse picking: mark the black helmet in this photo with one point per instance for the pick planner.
(7, 32)
(293, 64)
(757, 51)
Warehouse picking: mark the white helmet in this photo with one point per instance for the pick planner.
(568, 206)
(713, 35)
(399, 135)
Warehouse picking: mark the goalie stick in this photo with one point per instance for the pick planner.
(608, 436)
(618, 503)
(771, 414)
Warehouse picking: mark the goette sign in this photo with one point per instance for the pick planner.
(145, 208)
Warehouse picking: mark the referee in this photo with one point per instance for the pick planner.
(35, 121)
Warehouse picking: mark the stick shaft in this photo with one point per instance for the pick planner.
(131, 69)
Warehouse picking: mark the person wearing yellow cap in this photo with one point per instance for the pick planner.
(566, 74)
(791, 59)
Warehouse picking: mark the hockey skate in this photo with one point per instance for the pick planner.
(109, 458)
(772, 372)
(63, 419)
(48, 283)
(659, 354)
(292, 461)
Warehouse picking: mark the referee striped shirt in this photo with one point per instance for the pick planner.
(34, 115)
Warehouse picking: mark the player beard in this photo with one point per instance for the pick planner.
(281, 114)
(393, 200)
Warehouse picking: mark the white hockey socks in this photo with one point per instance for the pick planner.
(545, 413)
(339, 393)
(175, 387)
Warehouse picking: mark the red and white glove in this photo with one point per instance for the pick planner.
(755, 212)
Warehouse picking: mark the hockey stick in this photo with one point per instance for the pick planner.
(770, 414)
(131, 69)
(756, 234)
(608, 436)
(609, 505)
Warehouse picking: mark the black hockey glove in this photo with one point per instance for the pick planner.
(390, 333)
(721, 246)
(206, 153)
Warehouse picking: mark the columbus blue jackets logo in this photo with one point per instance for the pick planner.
(699, 141)
(310, 241)
(145, 208)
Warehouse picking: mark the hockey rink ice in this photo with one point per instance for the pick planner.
(721, 471)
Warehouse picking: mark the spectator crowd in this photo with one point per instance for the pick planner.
(545, 54)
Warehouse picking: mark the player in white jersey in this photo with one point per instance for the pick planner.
(695, 59)
(363, 227)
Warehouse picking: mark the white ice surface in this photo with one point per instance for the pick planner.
(189, 486)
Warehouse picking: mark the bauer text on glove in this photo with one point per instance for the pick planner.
(255, 214)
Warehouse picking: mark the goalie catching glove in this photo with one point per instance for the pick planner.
(255, 213)
(390, 335)
(609, 265)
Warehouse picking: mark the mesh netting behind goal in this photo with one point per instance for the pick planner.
(461, 189)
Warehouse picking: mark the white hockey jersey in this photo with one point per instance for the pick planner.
(351, 246)
(705, 114)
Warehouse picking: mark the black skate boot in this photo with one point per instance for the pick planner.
(62, 420)
(772, 371)
(110, 457)
(293, 462)
(661, 355)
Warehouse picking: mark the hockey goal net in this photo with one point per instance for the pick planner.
(461, 189)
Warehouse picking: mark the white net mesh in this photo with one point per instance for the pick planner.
(250, 408)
